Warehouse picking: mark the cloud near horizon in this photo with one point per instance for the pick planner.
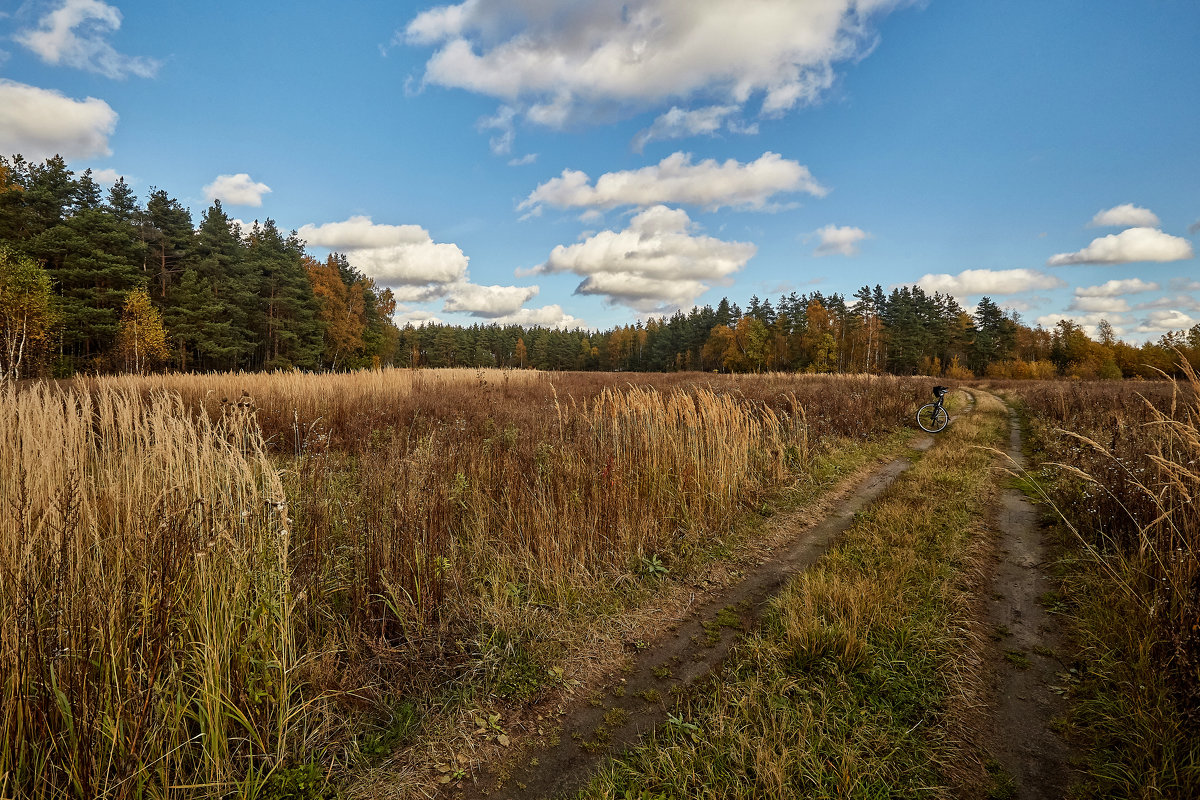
(488, 301)
(1117, 287)
(403, 258)
(40, 123)
(655, 265)
(74, 35)
(675, 179)
(1134, 244)
(236, 190)
(989, 282)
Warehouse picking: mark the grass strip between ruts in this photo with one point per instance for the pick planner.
(844, 690)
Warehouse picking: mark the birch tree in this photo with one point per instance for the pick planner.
(27, 314)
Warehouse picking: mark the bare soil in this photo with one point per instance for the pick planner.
(1023, 664)
(611, 718)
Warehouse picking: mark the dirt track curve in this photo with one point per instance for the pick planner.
(691, 648)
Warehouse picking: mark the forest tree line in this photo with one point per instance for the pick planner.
(94, 281)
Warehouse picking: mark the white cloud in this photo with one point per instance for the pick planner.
(839, 241)
(1022, 305)
(1125, 216)
(106, 177)
(1167, 320)
(1100, 304)
(653, 265)
(1174, 301)
(989, 282)
(75, 34)
(1115, 288)
(488, 301)
(572, 60)
(39, 123)
(676, 179)
(1184, 285)
(416, 317)
(551, 316)
(236, 190)
(403, 257)
(506, 132)
(679, 123)
(1135, 244)
(522, 161)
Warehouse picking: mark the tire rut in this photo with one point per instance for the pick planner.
(689, 650)
(1026, 656)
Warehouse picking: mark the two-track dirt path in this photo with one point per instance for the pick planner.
(691, 648)
(1013, 729)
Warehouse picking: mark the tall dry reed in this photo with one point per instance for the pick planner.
(145, 639)
(1130, 454)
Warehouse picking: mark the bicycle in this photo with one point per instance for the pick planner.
(933, 417)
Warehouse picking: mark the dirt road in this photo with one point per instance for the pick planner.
(612, 718)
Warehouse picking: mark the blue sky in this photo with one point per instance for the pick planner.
(593, 163)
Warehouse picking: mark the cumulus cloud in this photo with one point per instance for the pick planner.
(402, 257)
(1167, 320)
(415, 317)
(1135, 244)
(570, 60)
(40, 123)
(1175, 301)
(1125, 216)
(833, 240)
(1184, 285)
(236, 190)
(679, 123)
(655, 264)
(676, 179)
(106, 177)
(1115, 288)
(75, 34)
(488, 301)
(1100, 304)
(551, 316)
(989, 282)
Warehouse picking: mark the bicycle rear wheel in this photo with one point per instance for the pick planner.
(932, 418)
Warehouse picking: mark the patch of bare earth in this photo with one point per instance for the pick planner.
(555, 750)
(1022, 754)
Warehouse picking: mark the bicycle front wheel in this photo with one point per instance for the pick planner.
(932, 418)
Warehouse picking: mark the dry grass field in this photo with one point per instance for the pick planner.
(234, 584)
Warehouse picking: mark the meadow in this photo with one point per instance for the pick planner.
(234, 584)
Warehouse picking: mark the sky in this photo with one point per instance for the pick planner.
(594, 163)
